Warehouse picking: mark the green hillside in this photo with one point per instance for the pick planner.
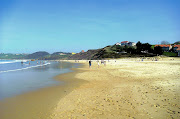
(12, 56)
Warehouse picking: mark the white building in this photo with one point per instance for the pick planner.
(131, 44)
(118, 43)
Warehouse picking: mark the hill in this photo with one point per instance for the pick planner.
(37, 55)
(12, 56)
(178, 42)
(113, 51)
(57, 55)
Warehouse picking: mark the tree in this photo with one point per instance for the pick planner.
(146, 47)
(165, 42)
(139, 46)
(158, 50)
(131, 50)
(125, 48)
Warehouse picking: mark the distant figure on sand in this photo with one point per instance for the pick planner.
(104, 63)
(89, 63)
(98, 64)
(29, 63)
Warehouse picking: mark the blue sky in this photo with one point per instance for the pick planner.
(27, 26)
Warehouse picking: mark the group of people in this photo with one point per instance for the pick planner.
(102, 62)
(30, 62)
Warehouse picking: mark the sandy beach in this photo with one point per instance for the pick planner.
(124, 88)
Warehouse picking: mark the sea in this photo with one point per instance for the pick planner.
(21, 76)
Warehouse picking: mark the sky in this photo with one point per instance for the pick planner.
(27, 26)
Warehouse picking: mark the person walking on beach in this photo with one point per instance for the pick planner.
(104, 63)
(89, 63)
(98, 64)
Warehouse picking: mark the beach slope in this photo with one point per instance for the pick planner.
(127, 88)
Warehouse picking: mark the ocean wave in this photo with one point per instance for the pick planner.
(24, 68)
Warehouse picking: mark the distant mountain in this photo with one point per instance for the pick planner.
(178, 42)
(57, 55)
(37, 55)
(60, 53)
(12, 56)
(90, 54)
(41, 55)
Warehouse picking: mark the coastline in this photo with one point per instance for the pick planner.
(124, 88)
(41, 102)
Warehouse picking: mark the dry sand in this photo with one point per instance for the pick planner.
(124, 88)
(127, 88)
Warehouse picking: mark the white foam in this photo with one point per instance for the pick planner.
(24, 68)
(14, 61)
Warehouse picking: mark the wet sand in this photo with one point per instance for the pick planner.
(39, 104)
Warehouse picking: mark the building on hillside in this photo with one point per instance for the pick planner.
(82, 51)
(131, 44)
(175, 47)
(73, 53)
(123, 43)
(178, 51)
(127, 43)
(118, 43)
(165, 47)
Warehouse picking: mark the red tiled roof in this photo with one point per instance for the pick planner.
(178, 49)
(162, 45)
(124, 41)
(176, 45)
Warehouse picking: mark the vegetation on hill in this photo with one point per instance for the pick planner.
(41, 55)
(170, 54)
(12, 56)
(117, 51)
(177, 42)
(114, 51)
(37, 55)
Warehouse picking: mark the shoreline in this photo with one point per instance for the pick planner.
(121, 89)
(41, 102)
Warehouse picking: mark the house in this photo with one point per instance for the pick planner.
(123, 43)
(164, 47)
(131, 44)
(73, 53)
(127, 43)
(118, 43)
(175, 47)
(178, 50)
(82, 51)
